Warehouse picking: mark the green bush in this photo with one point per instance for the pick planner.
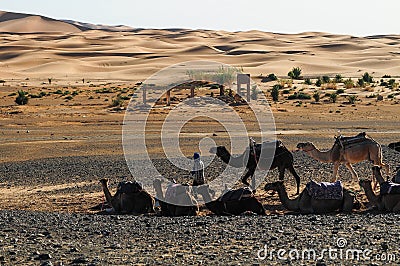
(272, 77)
(338, 78)
(318, 83)
(326, 79)
(295, 73)
(317, 96)
(22, 98)
(275, 92)
(307, 81)
(300, 96)
(339, 91)
(333, 97)
(117, 102)
(367, 78)
(352, 98)
(361, 83)
(349, 83)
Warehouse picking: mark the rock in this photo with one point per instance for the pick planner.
(44, 256)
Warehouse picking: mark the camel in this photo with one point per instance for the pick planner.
(367, 149)
(234, 206)
(386, 202)
(305, 204)
(283, 159)
(182, 197)
(135, 202)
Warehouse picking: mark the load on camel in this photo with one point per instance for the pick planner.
(232, 202)
(182, 195)
(317, 198)
(283, 159)
(129, 198)
(389, 196)
(347, 150)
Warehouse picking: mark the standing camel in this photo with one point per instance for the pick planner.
(283, 159)
(366, 149)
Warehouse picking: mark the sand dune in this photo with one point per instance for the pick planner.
(39, 47)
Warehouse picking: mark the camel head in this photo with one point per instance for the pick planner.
(305, 146)
(274, 186)
(104, 181)
(218, 150)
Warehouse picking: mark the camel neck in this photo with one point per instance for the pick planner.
(372, 198)
(290, 204)
(237, 162)
(323, 156)
(378, 177)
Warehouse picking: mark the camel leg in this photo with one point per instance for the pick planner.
(353, 173)
(296, 176)
(335, 170)
(250, 172)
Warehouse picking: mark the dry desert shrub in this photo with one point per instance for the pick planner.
(330, 86)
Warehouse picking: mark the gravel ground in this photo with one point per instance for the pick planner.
(63, 239)
(48, 238)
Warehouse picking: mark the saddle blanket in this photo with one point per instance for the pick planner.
(346, 141)
(390, 188)
(325, 190)
(236, 194)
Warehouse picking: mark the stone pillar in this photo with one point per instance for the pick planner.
(243, 79)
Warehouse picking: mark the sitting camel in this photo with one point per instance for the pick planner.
(364, 149)
(129, 198)
(283, 159)
(305, 204)
(384, 202)
(242, 200)
(186, 204)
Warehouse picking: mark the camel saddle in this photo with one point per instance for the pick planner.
(236, 194)
(325, 190)
(128, 187)
(344, 142)
(389, 188)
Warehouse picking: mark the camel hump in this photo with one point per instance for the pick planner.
(129, 187)
(236, 194)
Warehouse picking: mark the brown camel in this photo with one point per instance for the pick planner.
(368, 149)
(386, 202)
(234, 206)
(186, 204)
(129, 198)
(305, 204)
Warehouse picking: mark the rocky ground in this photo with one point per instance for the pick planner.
(45, 233)
(36, 238)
